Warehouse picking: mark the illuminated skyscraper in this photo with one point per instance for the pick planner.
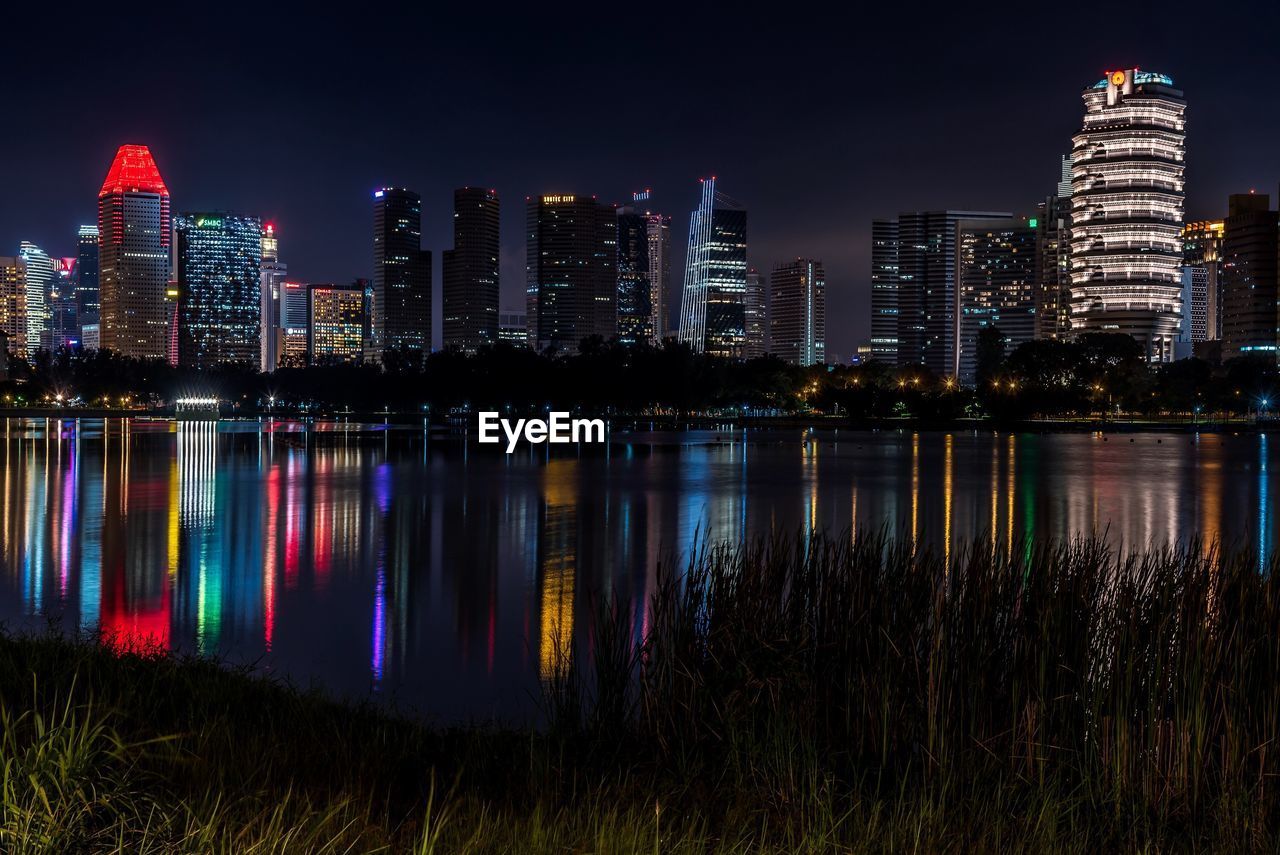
(1250, 286)
(1053, 266)
(13, 304)
(86, 274)
(1127, 209)
(274, 272)
(134, 232)
(64, 328)
(798, 312)
(571, 271)
(295, 313)
(400, 317)
(471, 282)
(1202, 280)
(659, 243)
(635, 298)
(41, 276)
(336, 324)
(713, 304)
(996, 288)
(217, 264)
(756, 315)
(884, 290)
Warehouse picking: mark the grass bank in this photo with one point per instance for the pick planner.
(801, 694)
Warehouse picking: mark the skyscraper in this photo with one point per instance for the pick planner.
(1249, 277)
(217, 264)
(884, 290)
(13, 304)
(336, 324)
(1053, 265)
(713, 305)
(295, 312)
(41, 275)
(400, 317)
(571, 271)
(635, 297)
(756, 315)
(1126, 210)
(134, 233)
(996, 286)
(1202, 281)
(64, 327)
(471, 271)
(86, 272)
(274, 272)
(798, 312)
(659, 243)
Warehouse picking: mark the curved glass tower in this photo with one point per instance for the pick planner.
(1127, 210)
(712, 308)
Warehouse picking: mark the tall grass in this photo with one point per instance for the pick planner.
(801, 693)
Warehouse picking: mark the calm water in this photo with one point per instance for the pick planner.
(442, 577)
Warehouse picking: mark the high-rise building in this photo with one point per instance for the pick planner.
(336, 326)
(41, 275)
(1202, 280)
(798, 312)
(1249, 277)
(274, 272)
(756, 313)
(928, 252)
(295, 313)
(133, 264)
(1127, 210)
(470, 305)
(997, 279)
(13, 304)
(400, 317)
(713, 305)
(64, 326)
(571, 271)
(86, 273)
(658, 227)
(635, 296)
(217, 265)
(1053, 265)
(513, 328)
(884, 290)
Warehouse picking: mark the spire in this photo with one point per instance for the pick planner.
(133, 170)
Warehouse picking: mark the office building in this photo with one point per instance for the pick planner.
(271, 281)
(513, 328)
(41, 275)
(658, 228)
(997, 286)
(13, 305)
(471, 284)
(756, 315)
(86, 275)
(884, 290)
(400, 316)
(635, 297)
(295, 314)
(798, 312)
(1202, 279)
(133, 264)
(1127, 211)
(713, 303)
(1053, 267)
(335, 329)
(217, 267)
(570, 271)
(1249, 277)
(64, 325)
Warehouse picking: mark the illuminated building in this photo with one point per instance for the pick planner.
(1249, 277)
(1202, 280)
(635, 298)
(64, 328)
(271, 279)
(470, 282)
(1053, 265)
(571, 283)
(513, 328)
(884, 290)
(86, 283)
(927, 298)
(41, 275)
(89, 337)
(218, 270)
(336, 324)
(294, 318)
(133, 264)
(798, 312)
(13, 304)
(1126, 211)
(997, 279)
(658, 228)
(400, 315)
(755, 313)
(712, 306)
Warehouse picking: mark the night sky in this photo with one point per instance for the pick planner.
(817, 121)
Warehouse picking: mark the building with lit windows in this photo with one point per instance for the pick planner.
(884, 290)
(13, 304)
(336, 324)
(756, 314)
(659, 243)
(1127, 210)
(471, 281)
(513, 328)
(133, 264)
(217, 265)
(1202, 279)
(64, 325)
(713, 303)
(274, 272)
(571, 282)
(1053, 265)
(42, 272)
(400, 315)
(798, 312)
(86, 275)
(1250, 244)
(997, 286)
(635, 298)
(295, 314)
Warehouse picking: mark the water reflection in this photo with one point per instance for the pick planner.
(455, 581)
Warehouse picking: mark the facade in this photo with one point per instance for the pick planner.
(86, 275)
(400, 316)
(1127, 211)
(274, 272)
(997, 286)
(635, 297)
(798, 312)
(1202, 280)
(42, 274)
(928, 254)
(571, 282)
(1249, 277)
(335, 328)
(471, 282)
(1053, 266)
(884, 290)
(295, 316)
(659, 243)
(13, 304)
(217, 265)
(133, 264)
(713, 304)
(756, 313)
(513, 328)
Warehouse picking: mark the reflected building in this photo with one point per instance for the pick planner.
(713, 304)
